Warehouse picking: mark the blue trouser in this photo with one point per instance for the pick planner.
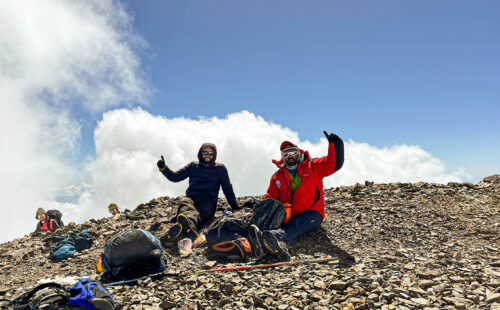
(303, 223)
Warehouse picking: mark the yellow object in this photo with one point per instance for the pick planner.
(288, 212)
(99, 264)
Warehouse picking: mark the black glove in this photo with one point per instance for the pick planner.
(161, 163)
(251, 203)
(238, 207)
(332, 138)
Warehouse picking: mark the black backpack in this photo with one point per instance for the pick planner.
(227, 237)
(45, 296)
(55, 215)
(132, 254)
(86, 294)
(269, 215)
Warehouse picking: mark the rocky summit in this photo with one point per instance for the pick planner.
(391, 246)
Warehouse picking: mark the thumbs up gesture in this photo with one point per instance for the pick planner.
(161, 163)
(332, 138)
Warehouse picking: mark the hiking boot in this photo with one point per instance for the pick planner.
(275, 247)
(181, 228)
(188, 228)
(172, 235)
(255, 239)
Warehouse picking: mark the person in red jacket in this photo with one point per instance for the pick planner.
(298, 183)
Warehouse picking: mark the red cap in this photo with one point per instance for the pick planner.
(286, 143)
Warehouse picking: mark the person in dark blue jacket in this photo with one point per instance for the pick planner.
(206, 177)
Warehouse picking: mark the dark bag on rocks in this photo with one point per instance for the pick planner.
(225, 239)
(45, 296)
(269, 215)
(55, 215)
(66, 246)
(227, 236)
(132, 254)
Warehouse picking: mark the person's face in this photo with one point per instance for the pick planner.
(42, 217)
(114, 211)
(290, 155)
(207, 153)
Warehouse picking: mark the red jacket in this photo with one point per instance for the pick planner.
(309, 195)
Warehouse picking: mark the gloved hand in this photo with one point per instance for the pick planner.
(161, 163)
(251, 203)
(235, 208)
(332, 138)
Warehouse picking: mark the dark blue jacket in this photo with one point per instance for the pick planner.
(205, 180)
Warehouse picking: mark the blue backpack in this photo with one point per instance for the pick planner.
(88, 294)
(132, 254)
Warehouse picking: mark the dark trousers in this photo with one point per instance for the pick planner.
(198, 212)
(303, 223)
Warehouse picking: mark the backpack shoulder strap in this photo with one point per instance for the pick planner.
(40, 287)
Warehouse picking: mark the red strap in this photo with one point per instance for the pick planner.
(43, 228)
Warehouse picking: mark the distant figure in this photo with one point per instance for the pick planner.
(113, 209)
(45, 224)
(206, 177)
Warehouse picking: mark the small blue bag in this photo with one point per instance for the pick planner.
(88, 294)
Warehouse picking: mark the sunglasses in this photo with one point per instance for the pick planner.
(294, 151)
(40, 215)
(207, 153)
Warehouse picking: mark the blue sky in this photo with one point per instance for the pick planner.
(382, 72)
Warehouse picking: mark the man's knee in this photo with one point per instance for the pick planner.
(307, 222)
(315, 220)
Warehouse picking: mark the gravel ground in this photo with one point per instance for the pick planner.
(388, 246)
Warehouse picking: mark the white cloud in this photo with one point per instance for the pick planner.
(55, 55)
(129, 142)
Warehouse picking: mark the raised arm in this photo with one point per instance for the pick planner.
(172, 176)
(334, 160)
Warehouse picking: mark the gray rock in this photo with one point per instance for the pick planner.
(337, 285)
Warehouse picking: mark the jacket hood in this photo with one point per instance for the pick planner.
(212, 146)
(304, 155)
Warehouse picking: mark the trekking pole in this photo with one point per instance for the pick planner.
(296, 262)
